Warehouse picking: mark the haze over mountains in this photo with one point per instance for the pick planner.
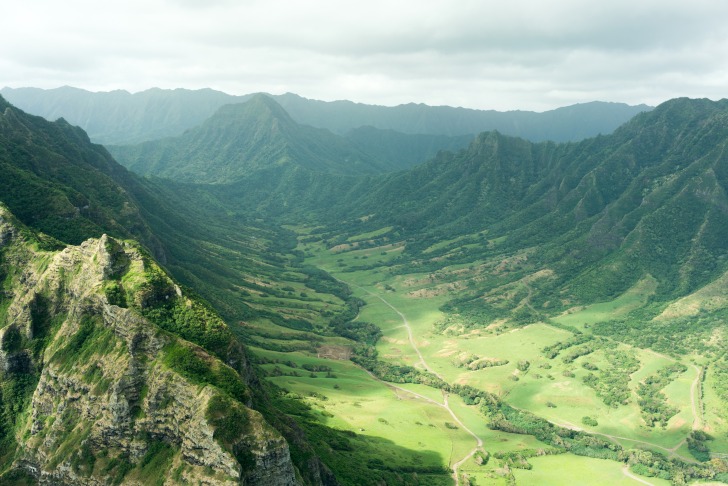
(266, 215)
(121, 118)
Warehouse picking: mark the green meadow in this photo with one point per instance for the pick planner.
(413, 417)
(570, 469)
(582, 318)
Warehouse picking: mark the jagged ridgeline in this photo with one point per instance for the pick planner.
(109, 372)
(599, 215)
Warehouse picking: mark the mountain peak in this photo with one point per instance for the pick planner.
(259, 107)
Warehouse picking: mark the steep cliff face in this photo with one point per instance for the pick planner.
(111, 374)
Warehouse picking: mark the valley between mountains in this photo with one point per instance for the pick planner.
(270, 292)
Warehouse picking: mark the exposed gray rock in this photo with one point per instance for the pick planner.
(104, 388)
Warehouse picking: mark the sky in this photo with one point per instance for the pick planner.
(505, 55)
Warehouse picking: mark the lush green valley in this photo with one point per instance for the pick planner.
(509, 312)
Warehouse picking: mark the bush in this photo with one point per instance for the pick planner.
(591, 422)
(523, 365)
(227, 417)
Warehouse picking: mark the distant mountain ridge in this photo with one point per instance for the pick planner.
(110, 117)
(241, 139)
(120, 117)
(564, 124)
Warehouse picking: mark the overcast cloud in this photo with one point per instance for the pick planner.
(525, 54)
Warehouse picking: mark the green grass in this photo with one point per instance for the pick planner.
(582, 318)
(543, 389)
(442, 244)
(570, 469)
(716, 416)
(360, 404)
(370, 234)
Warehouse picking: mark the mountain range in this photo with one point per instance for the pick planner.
(123, 118)
(649, 199)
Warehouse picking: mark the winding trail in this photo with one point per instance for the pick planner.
(423, 363)
(407, 326)
(672, 451)
(478, 447)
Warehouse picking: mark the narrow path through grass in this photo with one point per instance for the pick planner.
(423, 362)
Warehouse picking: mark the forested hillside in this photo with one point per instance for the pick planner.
(111, 290)
(242, 139)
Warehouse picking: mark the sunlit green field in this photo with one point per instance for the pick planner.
(570, 469)
(581, 318)
(538, 387)
(347, 398)
(716, 417)
(550, 388)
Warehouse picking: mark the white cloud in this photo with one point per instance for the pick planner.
(525, 54)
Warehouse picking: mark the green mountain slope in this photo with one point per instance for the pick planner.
(242, 139)
(648, 199)
(400, 151)
(61, 184)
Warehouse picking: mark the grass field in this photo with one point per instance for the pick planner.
(570, 469)
(582, 318)
(551, 388)
(352, 400)
(716, 417)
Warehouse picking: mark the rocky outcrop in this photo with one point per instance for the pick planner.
(119, 397)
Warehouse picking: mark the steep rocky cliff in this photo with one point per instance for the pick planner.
(111, 374)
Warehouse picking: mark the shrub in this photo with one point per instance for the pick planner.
(591, 422)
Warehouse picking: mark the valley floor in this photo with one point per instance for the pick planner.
(420, 427)
(416, 333)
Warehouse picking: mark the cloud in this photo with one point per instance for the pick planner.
(524, 54)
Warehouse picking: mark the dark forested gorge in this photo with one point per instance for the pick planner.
(266, 264)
